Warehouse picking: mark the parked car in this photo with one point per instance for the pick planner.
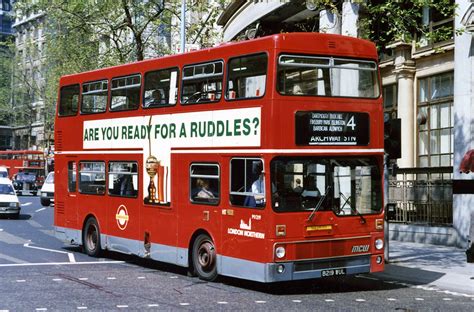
(47, 191)
(25, 182)
(9, 203)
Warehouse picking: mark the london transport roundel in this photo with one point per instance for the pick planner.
(122, 217)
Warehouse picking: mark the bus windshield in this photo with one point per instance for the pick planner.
(327, 76)
(346, 185)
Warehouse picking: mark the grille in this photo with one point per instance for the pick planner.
(332, 263)
(331, 45)
(4, 204)
(59, 207)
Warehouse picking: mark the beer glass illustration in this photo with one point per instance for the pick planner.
(151, 166)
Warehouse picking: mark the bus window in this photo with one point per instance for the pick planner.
(69, 100)
(94, 97)
(92, 177)
(125, 93)
(247, 182)
(325, 76)
(204, 182)
(202, 83)
(71, 176)
(123, 179)
(247, 77)
(161, 88)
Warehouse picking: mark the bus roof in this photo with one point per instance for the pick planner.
(304, 42)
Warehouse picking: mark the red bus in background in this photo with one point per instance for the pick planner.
(23, 160)
(261, 160)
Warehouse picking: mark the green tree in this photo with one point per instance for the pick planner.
(6, 68)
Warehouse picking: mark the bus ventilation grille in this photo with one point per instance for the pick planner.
(59, 207)
(59, 141)
(331, 45)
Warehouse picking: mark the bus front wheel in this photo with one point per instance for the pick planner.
(205, 258)
(91, 239)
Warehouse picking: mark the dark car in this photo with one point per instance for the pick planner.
(25, 182)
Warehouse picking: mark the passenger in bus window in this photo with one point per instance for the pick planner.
(156, 98)
(204, 191)
(297, 89)
(126, 185)
(258, 188)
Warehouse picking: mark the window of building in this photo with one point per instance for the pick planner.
(390, 104)
(123, 178)
(436, 27)
(247, 77)
(204, 183)
(161, 88)
(247, 182)
(435, 111)
(94, 97)
(92, 177)
(69, 100)
(202, 83)
(71, 176)
(125, 93)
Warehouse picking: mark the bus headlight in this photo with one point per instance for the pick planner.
(378, 244)
(280, 252)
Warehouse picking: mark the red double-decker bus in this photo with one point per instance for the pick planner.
(23, 160)
(260, 160)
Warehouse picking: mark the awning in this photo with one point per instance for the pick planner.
(467, 162)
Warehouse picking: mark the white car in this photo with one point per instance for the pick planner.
(9, 203)
(47, 191)
(3, 172)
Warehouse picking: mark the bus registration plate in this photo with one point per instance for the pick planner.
(333, 272)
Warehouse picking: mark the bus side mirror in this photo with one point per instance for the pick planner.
(390, 211)
(393, 138)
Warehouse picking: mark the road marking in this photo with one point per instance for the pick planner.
(391, 299)
(222, 302)
(26, 204)
(57, 279)
(329, 300)
(183, 303)
(122, 306)
(153, 305)
(296, 301)
(82, 308)
(41, 209)
(173, 277)
(41, 309)
(419, 299)
(1, 230)
(141, 277)
(20, 281)
(360, 300)
(83, 278)
(260, 301)
(447, 299)
(111, 278)
(59, 263)
(69, 254)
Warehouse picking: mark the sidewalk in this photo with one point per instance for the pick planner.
(438, 266)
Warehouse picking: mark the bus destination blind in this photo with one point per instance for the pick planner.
(331, 128)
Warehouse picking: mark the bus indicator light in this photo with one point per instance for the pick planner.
(281, 230)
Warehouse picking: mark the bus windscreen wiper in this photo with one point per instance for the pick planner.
(318, 205)
(353, 209)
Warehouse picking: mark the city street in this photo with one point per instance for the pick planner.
(40, 273)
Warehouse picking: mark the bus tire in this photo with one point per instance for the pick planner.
(204, 258)
(91, 238)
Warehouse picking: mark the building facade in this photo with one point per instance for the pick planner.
(426, 83)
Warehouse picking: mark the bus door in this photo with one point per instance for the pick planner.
(243, 221)
(70, 204)
(123, 207)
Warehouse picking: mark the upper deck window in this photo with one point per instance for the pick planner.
(94, 97)
(202, 83)
(125, 93)
(327, 76)
(161, 88)
(247, 76)
(69, 100)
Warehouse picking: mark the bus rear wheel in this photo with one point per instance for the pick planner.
(91, 238)
(205, 258)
